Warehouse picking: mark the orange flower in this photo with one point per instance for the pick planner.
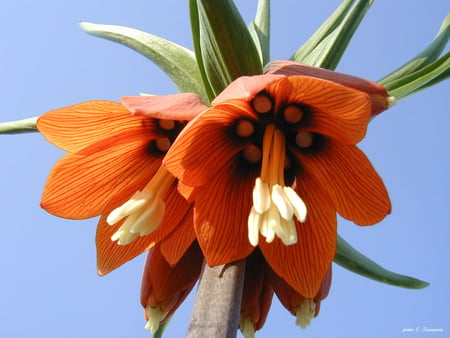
(113, 168)
(276, 158)
(259, 285)
(165, 286)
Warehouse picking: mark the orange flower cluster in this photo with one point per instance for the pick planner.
(259, 176)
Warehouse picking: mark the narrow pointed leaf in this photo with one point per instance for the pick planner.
(326, 47)
(195, 28)
(226, 46)
(433, 73)
(260, 30)
(351, 259)
(424, 58)
(20, 126)
(176, 61)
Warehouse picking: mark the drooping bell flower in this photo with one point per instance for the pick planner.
(164, 287)
(259, 286)
(113, 169)
(270, 164)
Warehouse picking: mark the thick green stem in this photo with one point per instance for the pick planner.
(218, 302)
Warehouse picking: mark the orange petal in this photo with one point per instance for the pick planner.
(163, 284)
(378, 94)
(336, 110)
(111, 255)
(176, 244)
(82, 125)
(207, 143)
(303, 265)
(245, 88)
(356, 189)
(220, 216)
(80, 186)
(183, 106)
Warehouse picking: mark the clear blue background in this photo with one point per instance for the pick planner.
(48, 282)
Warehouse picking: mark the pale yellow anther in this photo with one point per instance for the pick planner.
(166, 124)
(252, 153)
(155, 316)
(305, 313)
(163, 144)
(144, 212)
(246, 327)
(262, 103)
(261, 196)
(293, 114)
(304, 139)
(244, 128)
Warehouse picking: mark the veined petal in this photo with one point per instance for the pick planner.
(377, 93)
(87, 124)
(220, 216)
(182, 106)
(245, 88)
(303, 265)
(166, 286)
(80, 186)
(337, 111)
(207, 143)
(111, 255)
(356, 189)
(175, 245)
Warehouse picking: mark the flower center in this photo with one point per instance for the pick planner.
(274, 204)
(144, 212)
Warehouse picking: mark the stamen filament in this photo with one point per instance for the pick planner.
(274, 204)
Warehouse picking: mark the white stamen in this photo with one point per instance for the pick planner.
(149, 220)
(288, 235)
(246, 327)
(299, 206)
(261, 196)
(254, 220)
(144, 212)
(155, 316)
(282, 202)
(134, 204)
(305, 312)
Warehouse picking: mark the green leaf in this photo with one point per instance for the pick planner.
(424, 58)
(435, 72)
(176, 61)
(260, 30)
(195, 28)
(224, 46)
(327, 45)
(351, 259)
(20, 126)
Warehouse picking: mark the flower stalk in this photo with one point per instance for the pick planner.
(218, 301)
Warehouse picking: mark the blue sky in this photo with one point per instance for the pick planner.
(49, 286)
